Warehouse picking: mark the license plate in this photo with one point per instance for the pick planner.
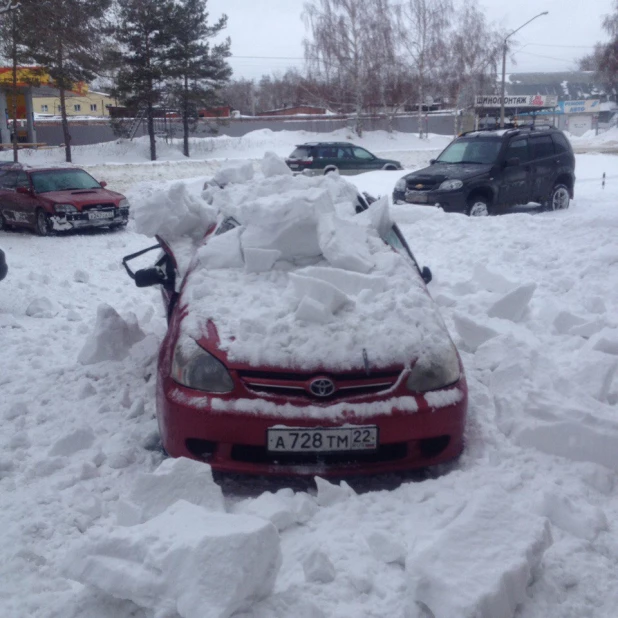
(304, 440)
(416, 197)
(104, 214)
(293, 166)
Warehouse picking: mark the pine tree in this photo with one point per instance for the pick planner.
(65, 39)
(145, 34)
(197, 71)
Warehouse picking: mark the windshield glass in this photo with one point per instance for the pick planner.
(63, 180)
(471, 151)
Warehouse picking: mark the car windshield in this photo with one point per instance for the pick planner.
(63, 180)
(471, 151)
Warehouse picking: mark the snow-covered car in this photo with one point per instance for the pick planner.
(47, 199)
(3, 267)
(301, 337)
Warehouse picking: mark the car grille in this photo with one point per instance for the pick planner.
(98, 207)
(346, 384)
(422, 184)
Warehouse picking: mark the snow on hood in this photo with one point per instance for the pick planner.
(293, 277)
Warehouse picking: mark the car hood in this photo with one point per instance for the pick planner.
(439, 172)
(83, 197)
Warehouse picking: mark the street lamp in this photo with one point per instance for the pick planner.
(504, 49)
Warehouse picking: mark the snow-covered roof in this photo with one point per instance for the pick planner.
(301, 280)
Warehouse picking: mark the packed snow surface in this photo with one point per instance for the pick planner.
(522, 526)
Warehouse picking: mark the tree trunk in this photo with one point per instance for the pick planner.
(185, 118)
(456, 114)
(65, 126)
(14, 93)
(420, 109)
(151, 132)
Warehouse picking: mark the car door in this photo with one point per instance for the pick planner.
(345, 159)
(364, 160)
(327, 156)
(515, 182)
(8, 203)
(25, 203)
(543, 165)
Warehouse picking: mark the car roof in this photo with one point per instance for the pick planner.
(325, 144)
(500, 133)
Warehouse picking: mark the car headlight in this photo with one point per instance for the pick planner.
(63, 209)
(192, 366)
(437, 373)
(400, 185)
(124, 203)
(450, 185)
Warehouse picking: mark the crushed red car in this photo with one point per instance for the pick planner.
(301, 336)
(54, 199)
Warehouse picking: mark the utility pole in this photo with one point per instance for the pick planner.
(504, 50)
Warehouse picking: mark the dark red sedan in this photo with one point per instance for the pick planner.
(250, 380)
(58, 199)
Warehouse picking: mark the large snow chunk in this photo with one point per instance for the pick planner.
(491, 281)
(172, 212)
(318, 567)
(222, 251)
(260, 260)
(472, 333)
(185, 560)
(344, 244)
(73, 442)
(320, 291)
(41, 308)
(481, 564)
(173, 480)
(111, 338)
(234, 173)
(350, 283)
(273, 165)
(513, 305)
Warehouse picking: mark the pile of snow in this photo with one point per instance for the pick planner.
(301, 277)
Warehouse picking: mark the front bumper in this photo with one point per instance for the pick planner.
(235, 442)
(79, 220)
(449, 201)
(4, 269)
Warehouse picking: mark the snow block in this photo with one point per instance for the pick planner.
(176, 479)
(41, 308)
(344, 245)
(235, 173)
(350, 283)
(565, 321)
(513, 305)
(260, 260)
(311, 310)
(387, 548)
(329, 494)
(319, 568)
(472, 333)
(185, 560)
(222, 251)
(493, 282)
(606, 341)
(111, 338)
(273, 165)
(480, 565)
(72, 443)
(321, 291)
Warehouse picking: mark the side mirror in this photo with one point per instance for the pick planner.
(103, 184)
(149, 276)
(426, 275)
(432, 161)
(23, 190)
(512, 162)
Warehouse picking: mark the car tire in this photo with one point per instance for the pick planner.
(3, 223)
(389, 167)
(330, 170)
(478, 207)
(559, 198)
(41, 223)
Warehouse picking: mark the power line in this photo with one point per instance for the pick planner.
(548, 57)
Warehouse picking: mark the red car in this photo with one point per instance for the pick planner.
(58, 199)
(347, 414)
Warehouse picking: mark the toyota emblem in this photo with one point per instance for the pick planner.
(322, 387)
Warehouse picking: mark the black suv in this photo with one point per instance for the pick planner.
(482, 172)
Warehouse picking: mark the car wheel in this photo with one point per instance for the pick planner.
(478, 207)
(3, 223)
(42, 226)
(559, 198)
(389, 167)
(329, 170)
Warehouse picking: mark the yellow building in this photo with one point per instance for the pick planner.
(46, 100)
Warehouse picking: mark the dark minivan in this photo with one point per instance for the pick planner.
(482, 172)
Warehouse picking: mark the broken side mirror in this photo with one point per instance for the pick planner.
(150, 276)
(103, 184)
(432, 161)
(426, 275)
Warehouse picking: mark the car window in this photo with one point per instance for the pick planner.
(517, 148)
(344, 152)
(471, 151)
(327, 152)
(229, 223)
(8, 180)
(394, 238)
(560, 143)
(63, 180)
(361, 153)
(301, 152)
(541, 147)
(22, 180)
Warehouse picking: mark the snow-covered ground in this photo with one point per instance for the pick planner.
(523, 526)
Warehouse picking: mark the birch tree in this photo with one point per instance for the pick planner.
(422, 26)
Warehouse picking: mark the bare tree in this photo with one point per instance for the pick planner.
(8, 5)
(421, 26)
(339, 52)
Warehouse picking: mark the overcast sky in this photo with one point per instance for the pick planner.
(267, 35)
